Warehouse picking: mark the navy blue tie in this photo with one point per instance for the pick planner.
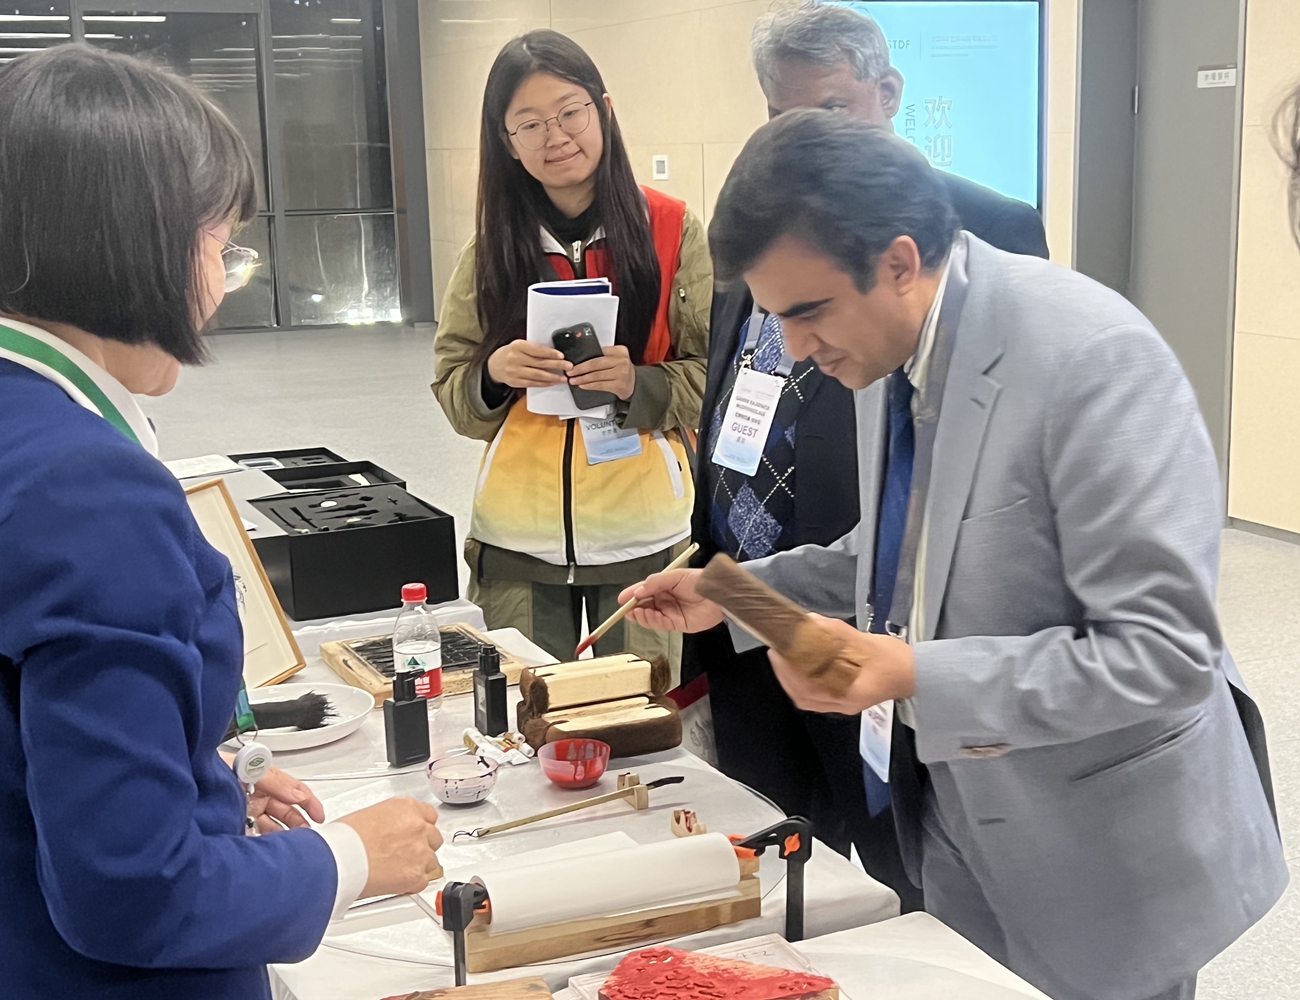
(890, 525)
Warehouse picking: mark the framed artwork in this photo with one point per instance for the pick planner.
(271, 653)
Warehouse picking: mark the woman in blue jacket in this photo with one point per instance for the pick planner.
(124, 871)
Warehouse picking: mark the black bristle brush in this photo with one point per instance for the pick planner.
(310, 711)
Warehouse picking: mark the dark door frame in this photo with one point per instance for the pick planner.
(405, 97)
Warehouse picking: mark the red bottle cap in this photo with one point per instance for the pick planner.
(414, 592)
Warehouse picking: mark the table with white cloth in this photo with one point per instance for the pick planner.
(393, 947)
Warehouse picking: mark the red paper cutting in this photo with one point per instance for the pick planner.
(671, 974)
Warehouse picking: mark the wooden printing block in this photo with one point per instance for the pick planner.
(778, 622)
(584, 682)
(631, 726)
(672, 974)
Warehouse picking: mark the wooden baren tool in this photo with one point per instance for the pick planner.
(629, 788)
(671, 974)
(778, 622)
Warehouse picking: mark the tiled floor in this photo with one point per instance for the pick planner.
(365, 394)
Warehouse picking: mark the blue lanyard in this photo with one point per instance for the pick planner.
(753, 332)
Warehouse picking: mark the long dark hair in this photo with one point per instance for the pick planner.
(109, 167)
(509, 255)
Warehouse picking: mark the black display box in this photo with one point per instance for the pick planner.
(348, 552)
(293, 458)
(334, 476)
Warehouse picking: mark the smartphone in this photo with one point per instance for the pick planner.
(579, 343)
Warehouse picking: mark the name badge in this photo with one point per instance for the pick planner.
(606, 441)
(876, 737)
(748, 419)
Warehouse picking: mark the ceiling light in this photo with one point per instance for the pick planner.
(345, 20)
(34, 17)
(29, 35)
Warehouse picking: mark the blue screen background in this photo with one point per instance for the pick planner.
(971, 92)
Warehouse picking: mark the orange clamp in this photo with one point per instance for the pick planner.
(792, 843)
(741, 852)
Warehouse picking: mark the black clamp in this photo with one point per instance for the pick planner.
(793, 837)
(457, 904)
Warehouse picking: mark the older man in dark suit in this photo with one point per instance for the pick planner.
(805, 490)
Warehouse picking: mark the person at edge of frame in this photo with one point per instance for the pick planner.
(561, 522)
(805, 491)
(1079, 777)
(125, 871)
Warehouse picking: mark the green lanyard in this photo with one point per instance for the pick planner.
(37, 350)
(244, 720)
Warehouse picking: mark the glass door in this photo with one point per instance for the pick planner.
(306, 85)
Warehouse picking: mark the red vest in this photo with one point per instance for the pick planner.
(666, 217)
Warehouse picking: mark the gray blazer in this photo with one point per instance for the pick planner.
(1072, 681)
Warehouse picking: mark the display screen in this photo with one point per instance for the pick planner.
(971, 95)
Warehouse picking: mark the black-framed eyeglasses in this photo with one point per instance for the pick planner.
(573, 119)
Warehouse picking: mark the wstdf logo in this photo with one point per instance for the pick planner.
(898, 44)
(413, 662)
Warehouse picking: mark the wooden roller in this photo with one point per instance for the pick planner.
(778, 622)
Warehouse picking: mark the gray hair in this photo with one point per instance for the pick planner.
(823, 34)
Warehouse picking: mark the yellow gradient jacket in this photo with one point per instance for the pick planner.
(536, 493)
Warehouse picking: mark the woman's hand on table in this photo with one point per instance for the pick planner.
(402, 842)
(522, 365)
(613, 373)
(281, 801)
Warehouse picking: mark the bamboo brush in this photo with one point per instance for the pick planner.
(621, 613)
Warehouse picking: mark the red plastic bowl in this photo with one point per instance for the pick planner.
(574, 763)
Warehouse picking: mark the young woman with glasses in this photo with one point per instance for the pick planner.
(559, 526)
(124, 868)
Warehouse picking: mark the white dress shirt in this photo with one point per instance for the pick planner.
(916, 369)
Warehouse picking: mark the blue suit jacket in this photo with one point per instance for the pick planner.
(123, 868)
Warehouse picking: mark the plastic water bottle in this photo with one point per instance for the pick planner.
(417, 646)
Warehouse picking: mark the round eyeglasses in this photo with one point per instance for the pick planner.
(573, 119)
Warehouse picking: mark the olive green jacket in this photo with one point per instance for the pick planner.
(667, 395)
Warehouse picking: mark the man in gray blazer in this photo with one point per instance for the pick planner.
(1078, 776)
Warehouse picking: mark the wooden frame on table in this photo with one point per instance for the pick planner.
(271, 652)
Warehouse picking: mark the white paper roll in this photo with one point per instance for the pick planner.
(611, 883)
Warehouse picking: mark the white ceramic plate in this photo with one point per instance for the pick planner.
(351, 706)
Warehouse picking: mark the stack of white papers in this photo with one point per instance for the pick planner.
(204, 465)
(554, 305)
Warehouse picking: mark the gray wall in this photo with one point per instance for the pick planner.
(1155, 209)
(1184, 207)
(1108, 70)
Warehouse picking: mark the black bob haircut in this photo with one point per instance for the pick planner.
(109, 169)
(847, 187)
